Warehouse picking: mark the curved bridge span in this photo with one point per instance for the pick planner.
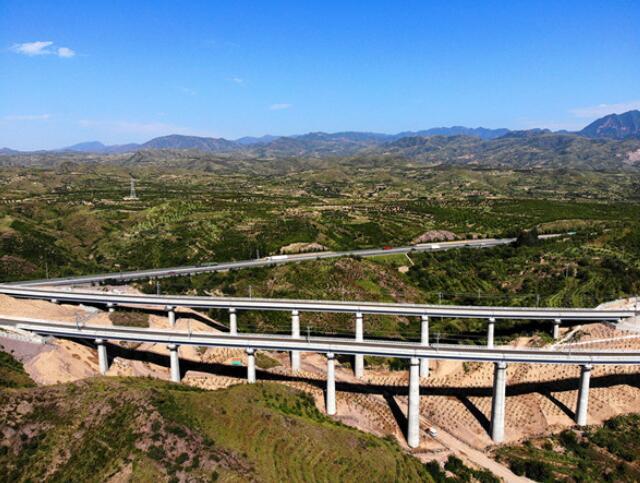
(419, 353)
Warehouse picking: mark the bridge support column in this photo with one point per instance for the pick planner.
(424, 340)
(55, 301)
(295, 333)
(111, 307)
(175, 362)
(251, 366)
(233, 321)
(556, 329)
(330, 402)
(583, 395)
(359, 358)
(171, 315)
(498, 403)
(413, 408)
(491, 328)
(103, 362)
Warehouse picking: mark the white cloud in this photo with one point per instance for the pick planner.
(28, 117)
(32, 48)
(66, 52)
(237, 80)
(604, 109)
(41, 47)
(188, 91)
(279, 107)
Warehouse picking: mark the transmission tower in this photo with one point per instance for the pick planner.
(132, 193)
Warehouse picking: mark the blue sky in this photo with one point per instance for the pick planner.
(128, 71)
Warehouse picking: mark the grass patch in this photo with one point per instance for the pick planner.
(129, 318)
(12, 373)
(263, 361)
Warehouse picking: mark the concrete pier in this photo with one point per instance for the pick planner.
(233, 322)
(491, 328)
(175, 362)
(582, 404)
(330, 401)
(413, 409)
(498, 403)
(171, 315)
(358, 367)
(251, 366)
(111, 307)
(556, 329)
(424, 340)
(103, 361)
(295, 332)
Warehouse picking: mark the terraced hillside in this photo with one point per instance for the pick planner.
(141, 430)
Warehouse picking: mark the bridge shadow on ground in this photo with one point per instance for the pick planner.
(388, 392)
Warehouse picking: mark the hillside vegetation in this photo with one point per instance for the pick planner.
(72, 219)
(144, 430)
(607, 453)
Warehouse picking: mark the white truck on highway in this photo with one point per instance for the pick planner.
(275, 258)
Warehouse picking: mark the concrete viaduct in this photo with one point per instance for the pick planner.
(419, 353)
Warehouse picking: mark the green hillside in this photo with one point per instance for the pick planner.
(144, 430)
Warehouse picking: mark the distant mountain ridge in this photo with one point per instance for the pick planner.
(612, 142)
(339, 142)
(177, 141)
(98, 147)
(615, 126)
(481, 132)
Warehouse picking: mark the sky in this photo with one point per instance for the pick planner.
(128, 71)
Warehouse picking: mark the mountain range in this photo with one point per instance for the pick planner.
(612, 142)
(613, 126)
(343, 142)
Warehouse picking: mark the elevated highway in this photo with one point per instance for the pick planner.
(419, 353)
(267, 261)
(324, 345)
(244, 303)
(415, 352)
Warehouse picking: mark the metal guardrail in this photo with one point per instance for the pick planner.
(323, 344)
(457, 311)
